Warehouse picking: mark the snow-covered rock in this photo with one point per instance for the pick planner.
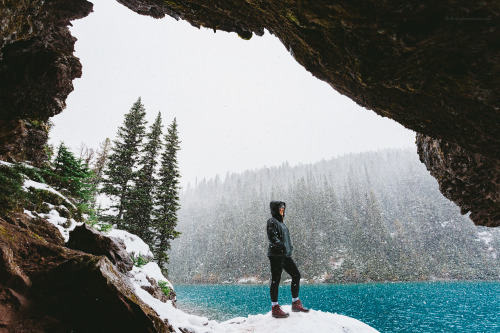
(63, 224)
(41, 186)
(134, 245)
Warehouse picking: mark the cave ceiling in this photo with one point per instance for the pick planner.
(434, 67)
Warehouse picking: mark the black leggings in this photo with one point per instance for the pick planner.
(277, 266)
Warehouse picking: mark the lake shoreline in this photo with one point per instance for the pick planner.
(308, 282)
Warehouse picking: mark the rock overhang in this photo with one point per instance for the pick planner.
(433, 67)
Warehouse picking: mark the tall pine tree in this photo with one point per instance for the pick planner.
(139, 214)
(122, 161)
(167, 198)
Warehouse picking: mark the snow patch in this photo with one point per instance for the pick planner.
(249, 280)
(63, 224)
(133, 244)
(29, 213)
(40, 186)
(154, 271)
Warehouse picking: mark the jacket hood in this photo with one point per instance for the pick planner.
(275, 209)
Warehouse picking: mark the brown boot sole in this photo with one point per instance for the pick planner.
(276, 316)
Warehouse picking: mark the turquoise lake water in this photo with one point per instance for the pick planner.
(424, 307)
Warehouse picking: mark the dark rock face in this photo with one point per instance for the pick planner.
(37, 67)
(470, 180)
(432, 66)
(46, 287)
(22, 140)
(86, 239)
(36, 52)
(38, 227)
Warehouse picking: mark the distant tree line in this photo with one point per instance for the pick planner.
(365, 217)
(137, 173)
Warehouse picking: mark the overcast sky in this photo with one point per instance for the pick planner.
(239, 104)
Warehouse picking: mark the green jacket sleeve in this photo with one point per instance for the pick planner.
(274, 236)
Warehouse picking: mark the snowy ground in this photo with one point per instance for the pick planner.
(64, 224)
(314, 321)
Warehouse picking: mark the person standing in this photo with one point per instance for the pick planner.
(280, 257)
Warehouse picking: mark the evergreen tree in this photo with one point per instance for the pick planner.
(122, 161)
(167, 198)
(138, 216)
(64, 163)
(73, 175)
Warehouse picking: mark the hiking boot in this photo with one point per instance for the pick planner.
(297, 307)
(278, 312)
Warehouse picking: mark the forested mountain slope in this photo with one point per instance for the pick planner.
(375, 216)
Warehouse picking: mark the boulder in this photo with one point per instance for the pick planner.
(90, 294)
(46, 287)
(89, 240)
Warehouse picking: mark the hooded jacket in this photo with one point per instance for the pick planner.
(280, 244)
